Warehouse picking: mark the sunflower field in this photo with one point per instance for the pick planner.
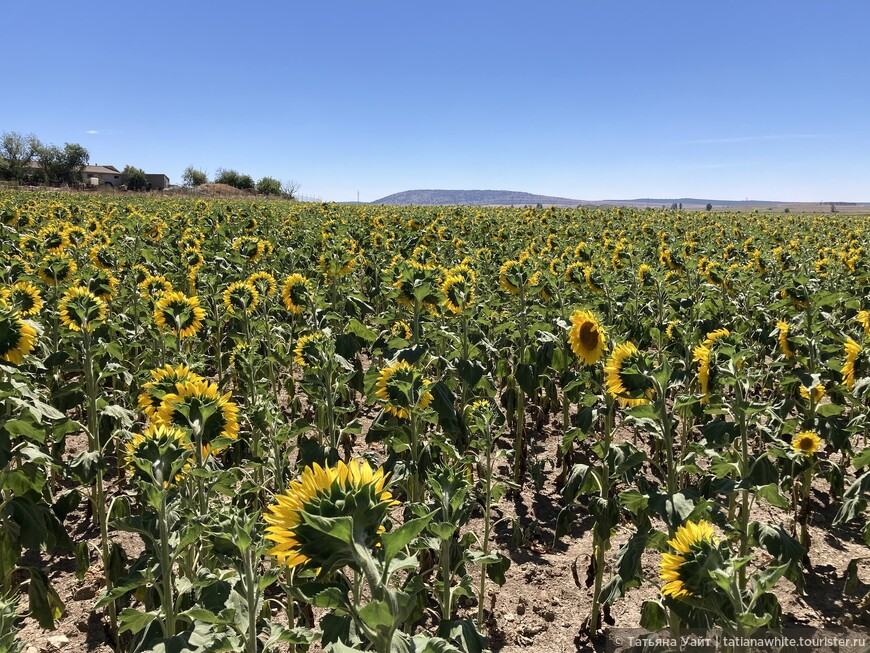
(242, 425)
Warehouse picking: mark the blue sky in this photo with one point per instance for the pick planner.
(588, 100)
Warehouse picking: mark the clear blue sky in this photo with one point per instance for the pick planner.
(590, 100)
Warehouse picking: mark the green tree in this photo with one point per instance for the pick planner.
(229, 177)
(62, 165)
(135, 178)
(245, 182)
(17, 151)
(193, 177)
(709, 206)
(269, 186)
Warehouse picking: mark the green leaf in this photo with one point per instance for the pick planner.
(633, 501)
(463, 633)
(830, 410)
(397, 539)
(772, 494)
(862, 459)
(45, 604)
(495, 571)
(134, 620)
(653, 616)
(377, 616)
(361, 331)
(26, 426)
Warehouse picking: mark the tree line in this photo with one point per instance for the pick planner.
(192, 177)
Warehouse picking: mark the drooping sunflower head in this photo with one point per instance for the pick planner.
(153, 287)
(163, 382)
(101, 283)
(458, 288)
(401, 329)
(161, 454)
(17, 336)
(103, 257)
(53, 239)
(624, 379)
(198, 407)
(784, 344)
(863, 318)
(515, 275)
(55, 269)
(586, 337)
(816, 392)
(806, 443)
(855, 363)
(82, 310)
(312, 350)
(241, 298)
(594, 282)
(402, 388)
(179, 314)
(347, 490)
(644, 274)
(264, 283)
(192, 258)
(296, 294)
(25, 298)
(696, 553)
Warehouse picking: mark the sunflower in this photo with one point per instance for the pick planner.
(586, 337)
(575, 274)
(338, 491)
(644, 274)
(192, 258)
(806, 443)
(458, 288)
(593, 280)
(103, 257)
(514, 275)
(152, 287)
(713, 336)
(309, 350)
(197, 404)
(54, 269)
(81, 310)
(631, 389)
(701, 355)
(241, 297)
(693, 542)
(401, 387)
(816, 391)
(178, 313)
(163, 382)
(156, 453)
(248, 247)
(25, 298)
(401, 329)
(863, 318)
(296, 294)
(264, 283)
(101, 283)
(784, 344)
(53, 239)
(852, 351)
(17, 337)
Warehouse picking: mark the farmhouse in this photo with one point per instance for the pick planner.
(102, 176)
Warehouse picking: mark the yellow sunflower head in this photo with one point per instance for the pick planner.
(347, 490)
(401, 329)
(241, 298)
(624, 379)
(593, 280)
(25, 298)
(863, 318)
(55, 269)
(696, 552)
(102, 257)
(163, 382)
(806, 443)
(17, 336)
(311, 350)
(197, 406)
(458, 288)
(816, 392)
(854, 363)
(296, 294)
(82, 310)
(101, 283)
(784, 344)
(586, 337)
(179, 314)
(264, 283)
(153, 287)
(402, 388)
(53, 239)
(159, 455)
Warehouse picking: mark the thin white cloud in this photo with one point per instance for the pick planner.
(92, 131)
(751, 139)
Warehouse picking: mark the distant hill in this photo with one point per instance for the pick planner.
(473, 198)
